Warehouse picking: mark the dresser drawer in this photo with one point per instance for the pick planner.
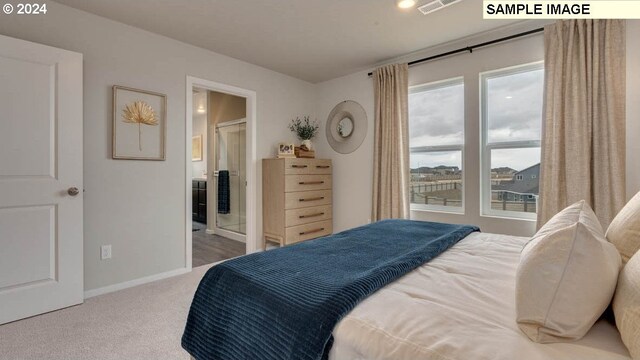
(307, 215)
(307, 166)
(306, 182)
(304, 232)
(301, 199)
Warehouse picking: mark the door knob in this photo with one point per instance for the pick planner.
(73, 191)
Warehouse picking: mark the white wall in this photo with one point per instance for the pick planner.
(199, 168)
(139, 206)
(353, 172)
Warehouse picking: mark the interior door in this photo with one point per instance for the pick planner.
(41, 267)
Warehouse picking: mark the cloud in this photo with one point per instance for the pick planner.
(514, 112)
(436, 117)
(514, 106)
(518, 159)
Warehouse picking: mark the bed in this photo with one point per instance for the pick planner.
(459, 305)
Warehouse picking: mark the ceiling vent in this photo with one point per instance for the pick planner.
(436, 5)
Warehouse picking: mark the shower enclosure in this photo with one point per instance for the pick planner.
(230, 176)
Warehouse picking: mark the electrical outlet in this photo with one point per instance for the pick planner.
(105, 252)
(368, 221)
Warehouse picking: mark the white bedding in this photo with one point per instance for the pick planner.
(459, 306)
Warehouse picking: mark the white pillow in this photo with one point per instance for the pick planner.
(626, 305)
(624, 230)
(566, 277)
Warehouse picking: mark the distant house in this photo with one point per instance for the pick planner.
(502, 172)
(523, 185)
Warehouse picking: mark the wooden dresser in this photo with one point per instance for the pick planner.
(296, 199)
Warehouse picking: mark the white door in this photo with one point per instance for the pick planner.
(41, 266)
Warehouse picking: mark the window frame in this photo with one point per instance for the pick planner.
(486, 148)
(434, 85)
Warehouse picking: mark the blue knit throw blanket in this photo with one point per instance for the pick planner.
(284, 303)
(224, 192)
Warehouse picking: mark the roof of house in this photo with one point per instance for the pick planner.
(527, 185)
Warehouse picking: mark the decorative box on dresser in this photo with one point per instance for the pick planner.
(296, 199)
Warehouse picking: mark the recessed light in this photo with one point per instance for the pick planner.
(405, 4)
(509, 97)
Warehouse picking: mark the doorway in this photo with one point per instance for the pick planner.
(220, 172)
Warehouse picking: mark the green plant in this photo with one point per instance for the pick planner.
(304, 129)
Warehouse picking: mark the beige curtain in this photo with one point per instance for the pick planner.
(391, 143)
(583, 142)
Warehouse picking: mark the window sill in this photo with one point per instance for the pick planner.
(437, 210)
(508, 216)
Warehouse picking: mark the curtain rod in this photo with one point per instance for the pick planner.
(472, 47)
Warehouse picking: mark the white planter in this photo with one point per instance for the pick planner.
(308, 144)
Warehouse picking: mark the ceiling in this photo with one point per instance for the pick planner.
(313, 40)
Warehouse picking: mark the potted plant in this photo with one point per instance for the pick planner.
(304, 129)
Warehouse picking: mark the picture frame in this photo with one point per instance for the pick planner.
(196, 148)
(139, 124)
(286, 150)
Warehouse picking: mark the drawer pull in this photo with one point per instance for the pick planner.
(323, 166)
(312, 199)
(311, 182)
(312, 231)
(310, 216)
(299, 166)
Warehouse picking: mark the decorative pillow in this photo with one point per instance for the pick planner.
(626, 305)
(566, 277)
(624, 231)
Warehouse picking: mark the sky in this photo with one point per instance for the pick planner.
(514, 112)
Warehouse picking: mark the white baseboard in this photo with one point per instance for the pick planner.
(228, 234)
(135, 282)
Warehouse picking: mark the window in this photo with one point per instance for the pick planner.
(436, 139)
(511, 120)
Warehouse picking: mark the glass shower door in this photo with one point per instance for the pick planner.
(231, 180)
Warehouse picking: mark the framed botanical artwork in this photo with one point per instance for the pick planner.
(139, 124)
(196, 148)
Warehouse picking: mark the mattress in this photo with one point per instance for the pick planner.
(459, 306)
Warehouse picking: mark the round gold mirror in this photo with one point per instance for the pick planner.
(346, 127)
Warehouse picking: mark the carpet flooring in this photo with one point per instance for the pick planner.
(143, 322)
